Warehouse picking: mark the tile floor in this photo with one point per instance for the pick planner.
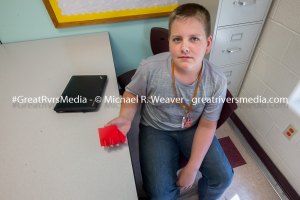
(251, 181)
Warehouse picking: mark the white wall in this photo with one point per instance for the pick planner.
(275, 72)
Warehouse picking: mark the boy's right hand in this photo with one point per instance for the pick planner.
(122, 123)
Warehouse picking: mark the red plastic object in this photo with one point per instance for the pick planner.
(110, 135)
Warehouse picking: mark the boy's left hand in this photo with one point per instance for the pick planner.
(186, 177)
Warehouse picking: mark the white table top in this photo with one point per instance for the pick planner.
(45, 155)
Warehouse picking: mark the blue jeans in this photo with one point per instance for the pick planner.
(159, 159)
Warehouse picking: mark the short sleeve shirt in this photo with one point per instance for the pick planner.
(152, 83)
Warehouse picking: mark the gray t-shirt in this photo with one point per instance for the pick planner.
(153, 81)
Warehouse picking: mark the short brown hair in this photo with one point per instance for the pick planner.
(192, 10)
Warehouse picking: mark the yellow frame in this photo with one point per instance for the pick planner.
(62, 21)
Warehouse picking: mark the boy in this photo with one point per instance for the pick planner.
(166, 128)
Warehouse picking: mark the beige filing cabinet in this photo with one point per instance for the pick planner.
(236, 26)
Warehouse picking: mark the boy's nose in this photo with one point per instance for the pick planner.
(185, 49)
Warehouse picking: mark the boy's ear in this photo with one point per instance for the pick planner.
(209, 44)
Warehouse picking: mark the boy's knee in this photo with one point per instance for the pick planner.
(228, 178)
(220, 180)
(211, 188)
(224, 180)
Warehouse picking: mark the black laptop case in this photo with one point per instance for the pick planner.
(83, 93)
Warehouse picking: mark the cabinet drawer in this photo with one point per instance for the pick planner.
(235, 76)
(242, 11)
(234, 45)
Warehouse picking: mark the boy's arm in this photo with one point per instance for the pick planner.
(201, 143)
(127, 112)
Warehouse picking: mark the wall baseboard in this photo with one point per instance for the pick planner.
(287, 188)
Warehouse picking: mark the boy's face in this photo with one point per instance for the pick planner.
(188, 44)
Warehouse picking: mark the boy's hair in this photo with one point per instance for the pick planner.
(192, 10)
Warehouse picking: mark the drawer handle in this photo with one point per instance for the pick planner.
(245, 2)
(236, 36)
(233, 50)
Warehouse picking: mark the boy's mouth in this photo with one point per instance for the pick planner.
(185, 57)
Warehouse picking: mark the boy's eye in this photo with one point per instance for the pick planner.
(176, 39)
(195, 39)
